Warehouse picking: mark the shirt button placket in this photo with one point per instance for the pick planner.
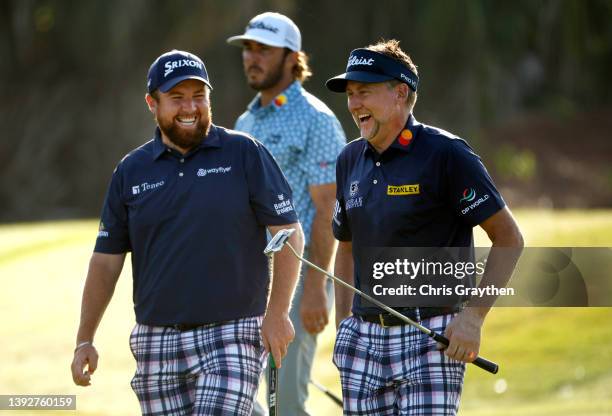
(182, 161)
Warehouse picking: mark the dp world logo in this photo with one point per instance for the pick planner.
(468, 195)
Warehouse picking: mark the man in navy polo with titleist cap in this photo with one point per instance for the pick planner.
(406, 184)
(192, 205)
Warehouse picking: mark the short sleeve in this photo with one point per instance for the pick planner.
(473, 194)
(340, 225)
(240, 121)
(113, 234)
(269, 193)
(325, 141)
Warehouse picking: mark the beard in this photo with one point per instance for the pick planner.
(374, 130)
(184, 138)
(270, 80)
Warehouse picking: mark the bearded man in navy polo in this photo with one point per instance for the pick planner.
(192, 206)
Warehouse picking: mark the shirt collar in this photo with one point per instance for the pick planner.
(282, 100)
(158, 146)
(405, 139)
(404, 142)
(211, 140)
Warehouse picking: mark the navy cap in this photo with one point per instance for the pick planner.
(368, 66)
(173, 67)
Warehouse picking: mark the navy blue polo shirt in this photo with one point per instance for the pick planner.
(196, 227)
(428, 189)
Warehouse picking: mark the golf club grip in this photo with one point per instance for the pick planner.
(272, 386)
(483, 363)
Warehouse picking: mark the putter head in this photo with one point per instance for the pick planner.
(278, 241)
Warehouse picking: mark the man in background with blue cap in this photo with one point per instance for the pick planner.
(305, 138)
(406, 184)
(192, 206)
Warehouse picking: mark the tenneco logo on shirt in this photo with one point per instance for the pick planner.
(413, 189)
(146, 186)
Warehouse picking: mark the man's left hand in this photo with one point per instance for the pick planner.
(277, 333)
(463, 332)
(313, 307)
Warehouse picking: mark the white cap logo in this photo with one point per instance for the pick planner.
(272, 29)
(357, 60)
(172, 65)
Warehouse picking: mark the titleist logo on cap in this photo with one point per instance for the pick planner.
(172, 65)
(356, 60)
(262, 26)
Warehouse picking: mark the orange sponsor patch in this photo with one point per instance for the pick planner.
(405, 137)
(280, 100)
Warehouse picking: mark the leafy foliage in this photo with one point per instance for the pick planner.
(74, 73)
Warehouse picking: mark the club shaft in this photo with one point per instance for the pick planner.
(328, 393)
(272, 371)
(483, 363)
(363, 295)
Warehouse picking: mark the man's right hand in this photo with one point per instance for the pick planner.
(313, 306)
(86, 356)
(104, 270)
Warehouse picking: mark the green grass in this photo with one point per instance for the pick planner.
(552, 361)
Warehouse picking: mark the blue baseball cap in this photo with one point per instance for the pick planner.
(368, 66)
(173, 67)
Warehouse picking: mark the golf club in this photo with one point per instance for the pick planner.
(272, 370)
(328, 393)
(272, 386)
(280, 240)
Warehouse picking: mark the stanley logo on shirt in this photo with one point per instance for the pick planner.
(413, 189)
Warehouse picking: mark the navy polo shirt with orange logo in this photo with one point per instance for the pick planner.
(196, 227)
(428, 189)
